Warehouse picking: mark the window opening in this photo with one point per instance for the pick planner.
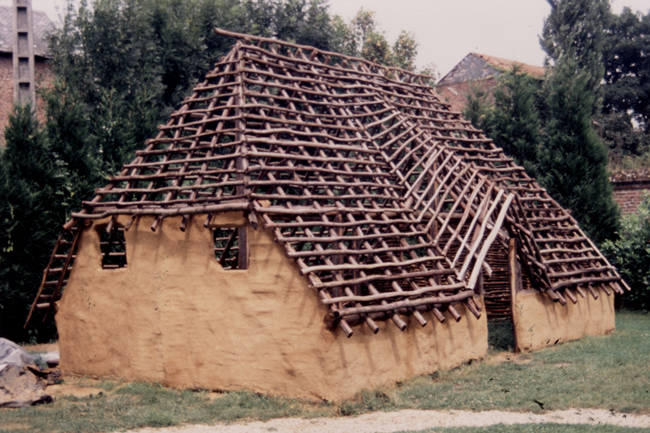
(226, 247)
(113, 248)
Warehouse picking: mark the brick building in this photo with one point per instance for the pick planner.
(629, 186)
(477, 70)
(43, 77)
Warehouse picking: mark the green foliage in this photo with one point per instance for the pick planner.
(622, 138)
(631, 255)
(303, 22)
(478, 106)
(574, 160)
(627, 66)
(509, 116)
(30, 217)
(405, 50)
(376, 49)
(612, 47)
(625, 121)
(76, 156)
(514, 123)
(110, 69)
(363, 38)
(574, 163)
(574, 31)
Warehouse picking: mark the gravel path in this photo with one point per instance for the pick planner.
(413, 420)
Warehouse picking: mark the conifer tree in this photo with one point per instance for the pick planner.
(574, 162)
(574, 165)
(574, 30)
(513, 123)
(30, 217)
(478, 106)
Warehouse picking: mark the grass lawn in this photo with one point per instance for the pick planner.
(610, 372)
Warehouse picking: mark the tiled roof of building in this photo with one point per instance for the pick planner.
(477, 66)
(42, 25)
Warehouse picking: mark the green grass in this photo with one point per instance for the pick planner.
(609, 372)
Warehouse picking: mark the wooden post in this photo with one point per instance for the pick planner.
(242, 166)
(515, 283)
(242, 253)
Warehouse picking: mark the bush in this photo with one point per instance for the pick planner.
(631, 254)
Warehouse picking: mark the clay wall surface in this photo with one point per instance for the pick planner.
(174, 316)
(540, 322)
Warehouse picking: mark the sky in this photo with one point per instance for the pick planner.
(446, 30)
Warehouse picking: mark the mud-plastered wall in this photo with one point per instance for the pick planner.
(540, 322)
(175, 316)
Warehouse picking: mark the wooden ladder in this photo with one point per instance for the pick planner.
(55, 275)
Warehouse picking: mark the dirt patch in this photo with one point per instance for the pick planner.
(64, 390)
(501, 357)
(562, 364)
(414, 420)
(16, 426)
(212, 396)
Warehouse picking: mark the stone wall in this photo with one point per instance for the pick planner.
(629, 187)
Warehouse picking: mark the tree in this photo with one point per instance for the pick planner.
(627, 66)
(67, 133)
(30, 217)
(574, 163)
(625, 121)
(514, 122)
(306, 23)
(363, 38)
(478, 106)
(405, 49)
(574, 31)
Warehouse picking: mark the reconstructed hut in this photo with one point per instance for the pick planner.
(311, 224)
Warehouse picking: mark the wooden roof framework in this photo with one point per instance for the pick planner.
(387, 201)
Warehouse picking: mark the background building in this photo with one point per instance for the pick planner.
(477, 70)
(41, 25)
